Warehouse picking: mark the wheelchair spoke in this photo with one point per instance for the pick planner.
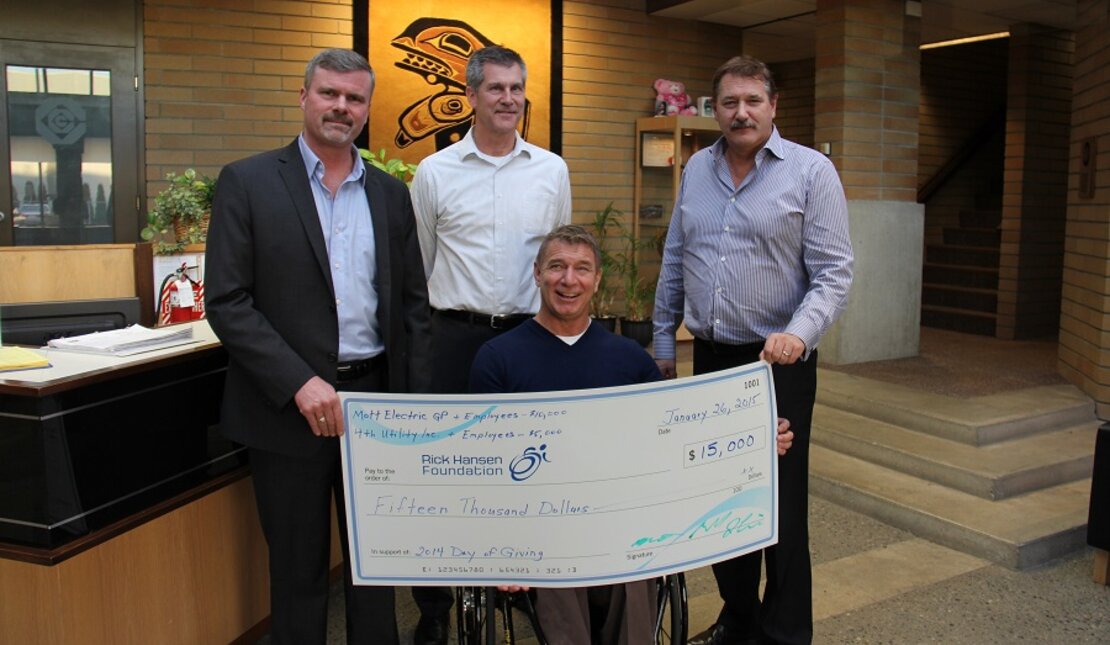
(672, 611)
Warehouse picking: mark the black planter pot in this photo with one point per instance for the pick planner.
(608, 322)
(637, 330)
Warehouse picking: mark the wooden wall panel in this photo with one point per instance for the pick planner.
(195, 575)
(44, 273)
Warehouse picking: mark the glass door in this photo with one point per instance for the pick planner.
(70, 144)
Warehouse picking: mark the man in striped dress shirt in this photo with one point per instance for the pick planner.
(758, 262)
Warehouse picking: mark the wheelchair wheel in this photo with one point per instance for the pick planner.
(473, 615)
(671, 621)
(479, 609)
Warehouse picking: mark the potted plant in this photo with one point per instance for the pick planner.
(606, 226)
(397, 167)
(639, 291)
(184, 208)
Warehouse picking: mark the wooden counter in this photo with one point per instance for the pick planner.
(95, 440)
(125, 517)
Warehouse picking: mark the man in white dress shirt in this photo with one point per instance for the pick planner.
(483, 205)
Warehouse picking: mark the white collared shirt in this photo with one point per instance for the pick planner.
(480, 220)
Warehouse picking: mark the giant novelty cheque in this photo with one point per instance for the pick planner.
(560, 489)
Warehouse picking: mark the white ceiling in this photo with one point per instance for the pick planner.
(781, 30)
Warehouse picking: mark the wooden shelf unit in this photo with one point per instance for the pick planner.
(689, 134)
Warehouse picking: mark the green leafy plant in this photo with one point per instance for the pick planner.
(639, 291)
(621, 270)
(606, 228)
(399, 168)
(183, 209)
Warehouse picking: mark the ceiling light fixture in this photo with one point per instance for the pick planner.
(964, 41)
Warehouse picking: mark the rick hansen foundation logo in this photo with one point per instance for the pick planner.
(528, 462)
(521, 467)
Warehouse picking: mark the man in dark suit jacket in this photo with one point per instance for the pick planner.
(314, 283)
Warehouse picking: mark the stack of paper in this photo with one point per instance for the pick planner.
(124, 342)
(20, 358)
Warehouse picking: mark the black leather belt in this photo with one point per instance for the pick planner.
(496, 321)
(350, 370)
(726, 349)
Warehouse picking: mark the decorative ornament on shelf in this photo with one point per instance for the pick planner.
(671, 99)
(183, 208)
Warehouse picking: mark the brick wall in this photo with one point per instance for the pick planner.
(613, 52)
(221, 79)
(867, 94)
(222, 75)
(1034, 198)
(1085, 305)
(962, 89)
(794, 112)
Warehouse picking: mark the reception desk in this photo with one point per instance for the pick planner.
(124, 516)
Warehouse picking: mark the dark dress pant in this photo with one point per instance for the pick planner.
(454, 345)
(785, 614)
(622, 614)
(293, 493)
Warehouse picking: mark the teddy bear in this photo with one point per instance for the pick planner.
(671, 98)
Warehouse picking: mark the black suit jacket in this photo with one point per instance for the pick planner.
(270, 299)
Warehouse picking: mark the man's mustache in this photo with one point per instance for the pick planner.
(740, 125)
(339, 118)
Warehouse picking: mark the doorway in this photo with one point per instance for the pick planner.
(70, 147)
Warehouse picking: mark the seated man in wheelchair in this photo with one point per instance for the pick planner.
(562, 349)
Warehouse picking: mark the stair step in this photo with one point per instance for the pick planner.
(961, 255)
(961, 320)
(989, 238)
(996, 471)
(977, 421)
(957, 297)
(981, 218)
(1019, 532)
(978, 277)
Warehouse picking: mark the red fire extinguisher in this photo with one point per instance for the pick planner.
(182, 298)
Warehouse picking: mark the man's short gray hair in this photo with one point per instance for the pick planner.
(745, 67)
(337, 60)
(570, 234)
(496, 55)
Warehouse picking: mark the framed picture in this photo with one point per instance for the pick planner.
(419, 49)
(705, 106)
(656, 150)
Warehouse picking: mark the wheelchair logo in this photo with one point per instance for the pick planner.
(528, 462)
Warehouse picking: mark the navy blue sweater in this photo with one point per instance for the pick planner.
(532, 359)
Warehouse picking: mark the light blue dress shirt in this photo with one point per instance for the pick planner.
(772, 255)
(349, 235)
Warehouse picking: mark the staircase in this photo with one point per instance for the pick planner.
(960, 276)
(1004, 477)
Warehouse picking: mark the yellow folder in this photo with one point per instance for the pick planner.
(20, 358)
